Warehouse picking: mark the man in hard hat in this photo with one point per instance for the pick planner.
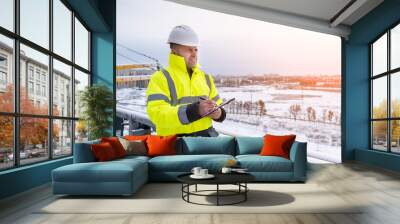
(179, 95)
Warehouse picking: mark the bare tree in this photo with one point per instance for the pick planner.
(311, 114)
(261, 106)
(295, 110)
(330, 115)
(247, 107)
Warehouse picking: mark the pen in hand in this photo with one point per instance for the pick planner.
(203, 98)
(211, 109)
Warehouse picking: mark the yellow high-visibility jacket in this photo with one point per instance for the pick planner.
(169, 92)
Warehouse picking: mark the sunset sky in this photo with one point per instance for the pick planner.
(230, 45)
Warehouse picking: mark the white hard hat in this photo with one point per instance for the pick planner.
(183, 35)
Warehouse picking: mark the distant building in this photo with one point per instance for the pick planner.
(136, 75)
(34, 79)
(228, 81)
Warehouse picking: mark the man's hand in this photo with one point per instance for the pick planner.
(207, 105)
(216, 114)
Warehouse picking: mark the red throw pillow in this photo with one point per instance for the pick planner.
(136, 137)
(161, 145)
(103, 151)
(116, 145)
(277, 145)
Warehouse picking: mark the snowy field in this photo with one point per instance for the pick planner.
(323, 136)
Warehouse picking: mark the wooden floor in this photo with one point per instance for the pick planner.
(378, 188)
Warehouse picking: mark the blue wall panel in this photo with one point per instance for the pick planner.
(377, 158)
(24, 178)
(356, 75)
(356, 99)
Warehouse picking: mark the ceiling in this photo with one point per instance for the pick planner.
(327, 16)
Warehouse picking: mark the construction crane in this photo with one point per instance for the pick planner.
(142, 54)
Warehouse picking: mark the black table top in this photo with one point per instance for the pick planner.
(220, 178)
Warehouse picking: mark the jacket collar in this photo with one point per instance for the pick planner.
(177, 62)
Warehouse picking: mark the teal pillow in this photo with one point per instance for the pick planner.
(83, 152)
(249, 145)
(206, 145)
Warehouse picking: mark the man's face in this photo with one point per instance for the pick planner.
(188, 52)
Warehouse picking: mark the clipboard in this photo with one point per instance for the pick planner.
(215, 109)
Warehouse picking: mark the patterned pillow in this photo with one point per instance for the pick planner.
(134, 147)
(124, 142)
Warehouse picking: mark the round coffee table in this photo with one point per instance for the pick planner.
(238, 179)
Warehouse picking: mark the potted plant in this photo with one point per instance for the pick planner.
(97, 102)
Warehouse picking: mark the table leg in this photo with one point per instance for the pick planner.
(188, 190)
(217, 194)
(182, 188)
(245, 193)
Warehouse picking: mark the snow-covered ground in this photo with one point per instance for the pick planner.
(323, 137)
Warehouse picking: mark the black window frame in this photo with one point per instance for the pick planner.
(388, 74)
(16, 115)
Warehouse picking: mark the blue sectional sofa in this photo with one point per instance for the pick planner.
(125, 176)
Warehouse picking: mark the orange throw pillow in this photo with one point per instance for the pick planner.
(116, 145)
(136, 137)
(277, 145)
(103, 151)
(161, 145)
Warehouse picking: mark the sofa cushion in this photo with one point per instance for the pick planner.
(206, 145)
(248, 145)
(111, 171)
(185, 163)
(131, 158)
(257, 163)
